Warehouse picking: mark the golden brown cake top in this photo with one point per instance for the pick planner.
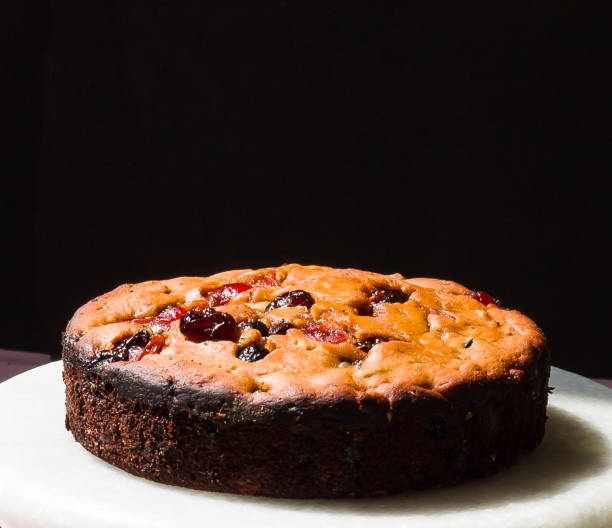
(349, 333)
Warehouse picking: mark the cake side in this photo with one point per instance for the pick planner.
(329, 450)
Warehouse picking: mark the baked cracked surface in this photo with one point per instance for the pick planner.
(438, 337)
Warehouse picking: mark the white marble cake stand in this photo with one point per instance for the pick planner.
(47, 480)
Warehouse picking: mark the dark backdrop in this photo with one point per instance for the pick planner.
(155, 139)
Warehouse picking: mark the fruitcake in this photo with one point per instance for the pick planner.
(304, 381)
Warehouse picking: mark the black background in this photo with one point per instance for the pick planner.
(156, 139)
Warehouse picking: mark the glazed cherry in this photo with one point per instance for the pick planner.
(292, 298)
(483, 298)
(136, 353)
(161, 322)
(140, 344)
(388, 296)
(367, 344)
(119, 353)
(139, 339)
(253, 353)
(280, 328)
(201, 324)
(155, 345)
(169, 314)
(255, 325)
(125, 350)
(224, 294)
(323, 332)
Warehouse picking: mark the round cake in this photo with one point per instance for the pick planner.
(304, 381)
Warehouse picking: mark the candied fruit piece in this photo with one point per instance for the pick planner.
(136, 353)
(139, 339)
(161, 322)
(201, 324)
(255, 325)
(292, 298)
(388, 296)
(280, 328)
(323, 332)
(224, 294)
(253, 353)
(155, 345)
(170, 313)
(484, 298)
(123, 351)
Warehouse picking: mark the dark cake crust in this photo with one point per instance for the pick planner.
(212, 437)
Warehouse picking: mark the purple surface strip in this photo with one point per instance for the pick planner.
(13, 362)
(606, 382)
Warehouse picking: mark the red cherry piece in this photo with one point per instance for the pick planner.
(136, 353)
(322, 332)
(143, 320)
(171, 313)
(155, 345)
(202, 324)
(161, 322)
(483, 298)
(159, 327)
(224, 294)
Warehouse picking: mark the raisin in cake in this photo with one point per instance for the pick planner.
(304, 381)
